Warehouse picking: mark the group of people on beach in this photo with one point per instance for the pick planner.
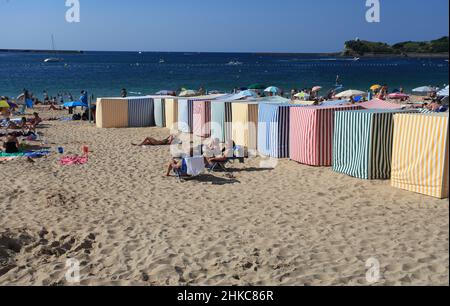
(13, 130)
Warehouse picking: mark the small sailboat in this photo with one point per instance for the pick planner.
(162, 61)
(53, 59)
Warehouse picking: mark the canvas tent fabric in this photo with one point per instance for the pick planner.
(379, 104)
(202, 119)
(112, 113)
(185, 115)
(245, 126)
(420, 154)
(311, 134)
(273, 130)
(140, 112)
(171, 112)
(362, 145)
(221, 120)
(160, 112)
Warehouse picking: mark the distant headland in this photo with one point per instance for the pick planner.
(433, 48)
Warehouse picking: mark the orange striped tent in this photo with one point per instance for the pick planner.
(420, 154)
(112, 113)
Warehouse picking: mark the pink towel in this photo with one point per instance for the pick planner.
(73, 160)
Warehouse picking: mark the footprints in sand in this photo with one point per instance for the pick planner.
(23, 252)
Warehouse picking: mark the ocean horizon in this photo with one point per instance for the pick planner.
(105, 73)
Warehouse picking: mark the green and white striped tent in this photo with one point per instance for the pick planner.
(362, 145)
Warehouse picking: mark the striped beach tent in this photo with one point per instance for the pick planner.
(112, 113)
(273, 130)
(140, 112)
(171, 106)
(420, 154)
(185, 115)
(245, 126)
(160, 112)
(379, 104)
(311, 134)
(221, 120)
(362, 145)
(334, 103)
(202, 118)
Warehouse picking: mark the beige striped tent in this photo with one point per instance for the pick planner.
(171, 106)
(245, 125)
(420, 154)
(111, 113)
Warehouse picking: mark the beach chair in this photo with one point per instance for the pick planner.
(191, 167)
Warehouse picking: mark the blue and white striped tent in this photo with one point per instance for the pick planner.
(140, 112)
(273, 129)
(363, 143)
(185, 112)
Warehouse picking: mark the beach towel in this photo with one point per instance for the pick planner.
(195, 165)
(73, 160)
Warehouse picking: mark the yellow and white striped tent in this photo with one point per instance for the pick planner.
(171, 106)
(420, 154)
(245, 125)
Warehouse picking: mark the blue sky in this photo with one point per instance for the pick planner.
(217, 26)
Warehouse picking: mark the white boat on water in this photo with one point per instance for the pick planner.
(53, 59)
(162, 61)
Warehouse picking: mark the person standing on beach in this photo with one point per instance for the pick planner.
(123, 93)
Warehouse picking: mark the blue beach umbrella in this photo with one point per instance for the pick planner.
(272, 89)
(75, 104)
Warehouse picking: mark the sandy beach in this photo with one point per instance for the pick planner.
(127, 224)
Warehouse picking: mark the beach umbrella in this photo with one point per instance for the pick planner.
(375, 87)
(166, 93)
(351, 93)
(272, 89)
(12, 105)
(424, 89)
(443, 92)
(188, 93)
(316, 88)
(248, 93)
(4, 104)
(257, 86)
(75, 104)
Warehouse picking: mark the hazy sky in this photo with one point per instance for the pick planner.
(217, 25)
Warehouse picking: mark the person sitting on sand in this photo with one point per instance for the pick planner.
(226, 153)
(11, 144)
(177, 164)
(149, 141)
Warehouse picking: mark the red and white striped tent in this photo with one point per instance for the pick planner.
(202, 119)
(311, 133)
(380, 104)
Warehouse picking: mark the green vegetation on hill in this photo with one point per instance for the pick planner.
(362, 47)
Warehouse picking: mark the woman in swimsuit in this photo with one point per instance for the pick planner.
(149, 141)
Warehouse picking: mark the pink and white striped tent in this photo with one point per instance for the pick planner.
(311, 133)
(379, 104)
(202, 119)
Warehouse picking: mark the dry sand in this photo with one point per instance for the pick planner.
(129, 225)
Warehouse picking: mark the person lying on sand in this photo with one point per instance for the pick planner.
(36, 120)
(11, 144)
(149, 141)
